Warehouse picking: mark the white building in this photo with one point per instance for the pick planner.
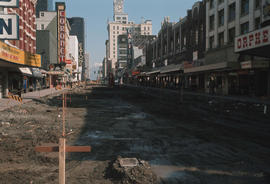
(74, 56)
(119, 27)
(45, 18)
(226, 19)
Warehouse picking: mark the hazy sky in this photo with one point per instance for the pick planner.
(97, 12)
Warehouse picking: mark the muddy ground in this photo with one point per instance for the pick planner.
(201, 141)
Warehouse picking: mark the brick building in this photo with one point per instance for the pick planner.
(27, 25)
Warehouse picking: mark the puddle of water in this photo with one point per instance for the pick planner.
(140, 116)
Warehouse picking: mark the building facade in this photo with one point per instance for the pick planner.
(47, 38)
(224, 21)
(43, 5)
(77, 26)
(119, 26)
(27, 26)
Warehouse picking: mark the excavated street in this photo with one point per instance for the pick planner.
(202, 140)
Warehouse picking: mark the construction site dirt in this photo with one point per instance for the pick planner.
(199, 141)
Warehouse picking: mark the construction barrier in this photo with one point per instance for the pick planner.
(15, 97)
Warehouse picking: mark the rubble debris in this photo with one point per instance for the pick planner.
(6, 124)
(131, 170)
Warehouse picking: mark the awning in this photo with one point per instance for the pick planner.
(171, 68)
(211, 67)
(37, 73)
(153, 72)
(25, 71)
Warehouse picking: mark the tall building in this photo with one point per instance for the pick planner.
(119, 26)
(43, 5)
(77, 26)
(47, 38)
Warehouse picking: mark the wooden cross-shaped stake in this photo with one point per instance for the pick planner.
(62, 148)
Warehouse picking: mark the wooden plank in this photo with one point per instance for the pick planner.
(62, 160)
(48, 149)
(78, 149)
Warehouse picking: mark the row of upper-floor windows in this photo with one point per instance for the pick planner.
(244, 28)
(244, 4)
(231, 15)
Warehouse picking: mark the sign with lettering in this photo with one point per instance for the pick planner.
(61, 33)
(9, 3)
(9, 27)
(17, 56)
(265, 10)
(253, 40)
(81, 54)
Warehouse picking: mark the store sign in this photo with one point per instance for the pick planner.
(254, 64)
(9, 27)
(253, 40)
(13, 55)
(81, 54)
(9, 3)
(61, 33)
(265, 10)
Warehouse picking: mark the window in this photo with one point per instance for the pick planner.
(220, 1)
(257, 23)
(211, 42)
(221, 39)
(231, 35)
(212, 22)
(211, 4)
(148, 28)
(244, 7)
(257, 4)
(221, 17)
(244, 28)
(117, 27)
(124, 18)
(113, 27)
(42, 26)
(42, 14)
(118, 18)
(123, 29)
(232, 12)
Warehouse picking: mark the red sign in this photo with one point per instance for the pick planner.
(253, 40)
(61, 34)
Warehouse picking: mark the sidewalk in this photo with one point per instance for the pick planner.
(244, 99)
(6, 103)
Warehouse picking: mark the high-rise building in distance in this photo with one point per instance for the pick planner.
(44, 5)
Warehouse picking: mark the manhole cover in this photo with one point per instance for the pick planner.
(128, 162)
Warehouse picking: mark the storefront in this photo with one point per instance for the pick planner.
(254, 77)
(15, 69)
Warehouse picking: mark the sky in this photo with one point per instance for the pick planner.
(97, 12)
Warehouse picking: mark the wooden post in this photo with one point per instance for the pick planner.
(62, 160)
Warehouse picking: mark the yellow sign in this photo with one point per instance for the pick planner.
(17, 56)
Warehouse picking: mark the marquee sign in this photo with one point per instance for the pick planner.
(253, 40)
(9, 3)
(9, 27)
(61, 32)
